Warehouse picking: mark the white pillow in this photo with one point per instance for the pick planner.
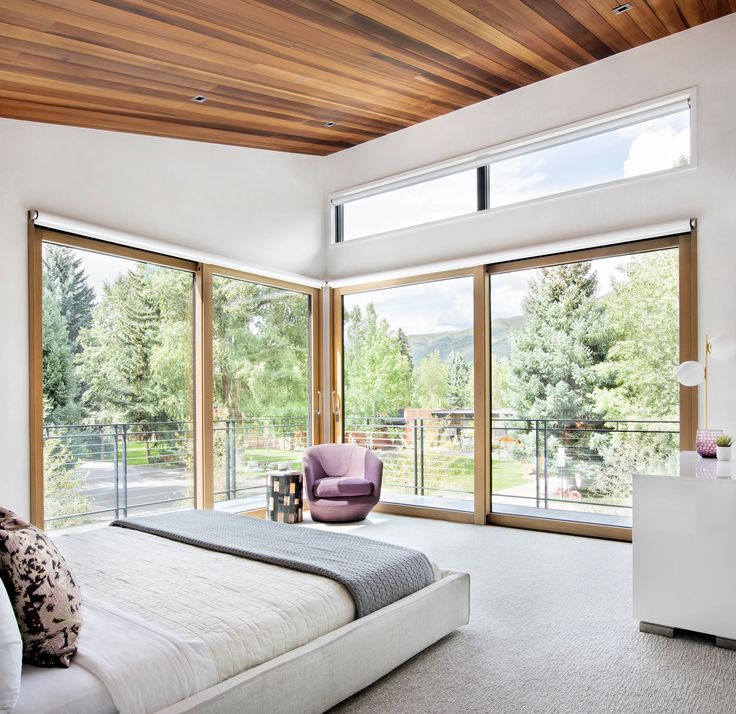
(11, 654)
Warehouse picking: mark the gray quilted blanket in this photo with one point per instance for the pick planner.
(376, 574)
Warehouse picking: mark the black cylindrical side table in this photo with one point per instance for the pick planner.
(285, 496)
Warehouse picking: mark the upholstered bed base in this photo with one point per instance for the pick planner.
(318, 675)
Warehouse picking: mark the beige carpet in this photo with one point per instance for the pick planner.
(551, 631)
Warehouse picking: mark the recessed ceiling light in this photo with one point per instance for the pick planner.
(199, 98)
(621, 9)
(329, 123)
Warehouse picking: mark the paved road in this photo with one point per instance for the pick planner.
(146, 484)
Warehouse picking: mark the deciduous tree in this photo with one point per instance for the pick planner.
(431, 383)
(378, 372)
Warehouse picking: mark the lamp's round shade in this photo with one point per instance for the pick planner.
(723, 347)
(690, 373)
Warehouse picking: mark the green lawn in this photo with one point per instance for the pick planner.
(506, 474)
(139, 455)
(269, 455)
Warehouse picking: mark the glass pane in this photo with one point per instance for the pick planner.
(584, 388)
(408, 388)
(643, 148)
(261, 370)
(117, 387)
(424, 202)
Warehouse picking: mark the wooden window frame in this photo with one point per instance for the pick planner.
(482, 512)
(315, 352)
(203, 397)
(686, 243)
(480, 379)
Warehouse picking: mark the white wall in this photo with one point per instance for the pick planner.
(704, 58)
(258, 207)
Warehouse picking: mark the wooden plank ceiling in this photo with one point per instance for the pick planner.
(275, 72)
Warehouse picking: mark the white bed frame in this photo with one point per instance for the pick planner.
(320, 674)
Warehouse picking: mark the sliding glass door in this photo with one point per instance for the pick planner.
(262, 386)
(117, 383)
(408, 387)
(584, 355)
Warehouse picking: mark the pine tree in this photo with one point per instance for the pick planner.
(459, 382)
(555, 358)
(115, 360)
(139, 324)
(404, 343)
(59, 382)
(68, 282)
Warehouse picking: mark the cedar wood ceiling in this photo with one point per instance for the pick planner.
(276, 71)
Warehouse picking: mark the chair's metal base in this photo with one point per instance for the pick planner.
(652, 629)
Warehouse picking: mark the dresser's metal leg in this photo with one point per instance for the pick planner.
(652, 629)
(726, 643)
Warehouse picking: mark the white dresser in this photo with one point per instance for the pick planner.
(684, 549)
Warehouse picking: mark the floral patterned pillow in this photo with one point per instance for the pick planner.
(45, 597)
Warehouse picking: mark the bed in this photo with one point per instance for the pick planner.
(170, 627)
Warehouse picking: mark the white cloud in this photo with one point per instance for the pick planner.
(444, 305)
(656, 150)
(516, 179)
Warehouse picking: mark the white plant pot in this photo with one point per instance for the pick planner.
(723, 453)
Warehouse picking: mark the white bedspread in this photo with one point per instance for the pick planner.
(163, 620)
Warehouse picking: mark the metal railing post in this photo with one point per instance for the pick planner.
(116, 457)
(125, 470)
(416, 457)
(546, 484)
(537, 456)
(233, 461)
(227, 458)
(421, 451)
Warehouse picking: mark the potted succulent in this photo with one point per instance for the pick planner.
(723, 447)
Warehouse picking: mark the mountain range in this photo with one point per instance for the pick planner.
(462, 340)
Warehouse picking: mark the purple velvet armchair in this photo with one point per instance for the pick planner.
(343, 482)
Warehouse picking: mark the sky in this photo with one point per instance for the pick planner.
(509, 289)
(102, 268)
(443, 305)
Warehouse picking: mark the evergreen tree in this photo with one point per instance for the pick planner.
(68, 282)
(459, 382)
(404, 343)
(59, 382)
(139, 325)
(555, 358)
(117, 348)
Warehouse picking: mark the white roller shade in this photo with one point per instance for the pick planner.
(89, 230)
(562, 135)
